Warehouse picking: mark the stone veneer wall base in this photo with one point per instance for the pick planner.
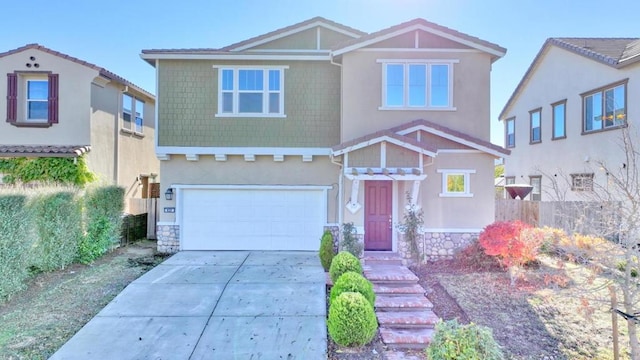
(436, 246)
(168, 238)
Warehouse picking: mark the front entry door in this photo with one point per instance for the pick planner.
(377, 216)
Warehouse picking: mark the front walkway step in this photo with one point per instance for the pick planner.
(401, 289)
(381, 258)
(407, 338)
(402, 303)
(389, 273)
(407, 319)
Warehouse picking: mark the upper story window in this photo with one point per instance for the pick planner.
(417, 84)
(251, 92)
(37, 99)
(132, 113)
(456, 183)
(559, 113)
(582, 182)
(605, 108)
(510, 132)
(536, 127)
(32, 99)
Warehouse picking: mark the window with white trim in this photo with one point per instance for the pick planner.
(251, 92)
(417, 85)
(37, 99)
(582, 182)
(132, 113)
(456, 182)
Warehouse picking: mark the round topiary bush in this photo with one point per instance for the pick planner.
(326, 250)
(344, 261)
(454, 341)
(353, 282)
(352, 321)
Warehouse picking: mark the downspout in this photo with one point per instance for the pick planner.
(116, 168)
(340, 175)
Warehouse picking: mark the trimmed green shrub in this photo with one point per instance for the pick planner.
(352, 321)
(103, 209)
(61, 170)
(58, 224)
(453, 341)
(344, 261)
(326, 250)
(353, 282)
(15, 244)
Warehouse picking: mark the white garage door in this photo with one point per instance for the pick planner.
(252, 219)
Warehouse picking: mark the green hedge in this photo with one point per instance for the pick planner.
(15, 244)
(103, 209)
(58, 222)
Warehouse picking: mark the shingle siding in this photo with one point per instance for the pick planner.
(188, 103)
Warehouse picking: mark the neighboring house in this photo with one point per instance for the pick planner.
(60, 106)
(266, 142)
(568, 112)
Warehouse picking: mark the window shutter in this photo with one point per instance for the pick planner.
(12, 98)
(53, 98)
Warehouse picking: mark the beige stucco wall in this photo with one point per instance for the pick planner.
(441, 214)
(363, 75)
(237, 171)
(74, 100)
(564, 75)
(188, 103)
(119, 156)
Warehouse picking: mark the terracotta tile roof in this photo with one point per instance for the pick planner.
(610, 51)
(614, 52)
(425, 23)
(103, 72)
(437, 129)
(43, 150)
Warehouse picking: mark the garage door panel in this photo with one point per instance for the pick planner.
(252, 219)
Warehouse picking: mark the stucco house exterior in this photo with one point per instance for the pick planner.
(567, 114)
(267, 142)
(60, 106)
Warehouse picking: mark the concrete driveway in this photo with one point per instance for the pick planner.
(213, 305)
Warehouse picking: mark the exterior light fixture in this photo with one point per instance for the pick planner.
(169, 194)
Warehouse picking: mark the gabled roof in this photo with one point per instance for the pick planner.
(292, 29)
(398, 136)
(43, 150)
(103, 72)
(262, 39)
(424, 25)
(614, 52)
(385, 135)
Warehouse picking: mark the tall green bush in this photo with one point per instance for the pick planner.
(453, 341)
(58, 224)
(15, 244)
(350, 241)
(103, 214)
(326, 250)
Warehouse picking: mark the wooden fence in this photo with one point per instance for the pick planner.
(146, 206)
(589, 218)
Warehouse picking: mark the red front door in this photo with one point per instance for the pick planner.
(377, 216)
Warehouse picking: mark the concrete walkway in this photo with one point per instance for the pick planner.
(213, 305)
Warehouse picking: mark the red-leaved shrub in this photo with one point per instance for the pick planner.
(513, 242)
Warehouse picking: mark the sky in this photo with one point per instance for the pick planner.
(112, 33)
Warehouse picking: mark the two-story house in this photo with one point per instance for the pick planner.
(60, 106)
(567, 114)
(266, 142)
